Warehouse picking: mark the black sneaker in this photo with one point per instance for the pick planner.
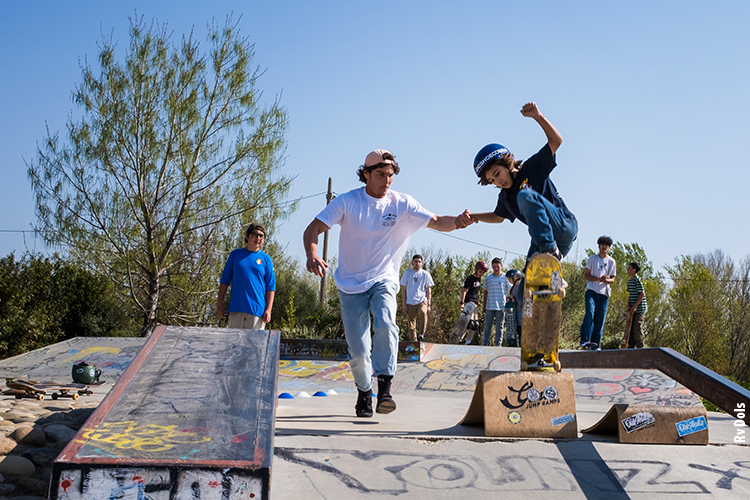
(386, 404)
(420, 338)
(364, 404)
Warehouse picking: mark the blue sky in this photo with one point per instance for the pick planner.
(652, 99)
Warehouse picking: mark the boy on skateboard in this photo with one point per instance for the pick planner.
(527, 193)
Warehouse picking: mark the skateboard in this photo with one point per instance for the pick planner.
(463, 321)
(510, 324)
(626, 338)
(38, 390)
(542, 314)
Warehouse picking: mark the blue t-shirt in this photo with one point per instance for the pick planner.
(251, 276)
(533, 174)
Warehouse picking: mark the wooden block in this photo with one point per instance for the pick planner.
(524, 404)
(654, 424)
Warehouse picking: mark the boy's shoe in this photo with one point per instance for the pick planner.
(555, 253)
(386, 404)
(364, 404)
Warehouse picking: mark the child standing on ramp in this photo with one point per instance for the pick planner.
(527, 193)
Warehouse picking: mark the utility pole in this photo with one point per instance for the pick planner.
(329, 197)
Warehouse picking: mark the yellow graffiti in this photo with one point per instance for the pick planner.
(148, 438)
(89, 351)
(303, 369)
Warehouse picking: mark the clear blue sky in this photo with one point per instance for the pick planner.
(652, 99)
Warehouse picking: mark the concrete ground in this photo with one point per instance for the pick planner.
(420, 452)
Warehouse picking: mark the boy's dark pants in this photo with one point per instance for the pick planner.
(636, 331)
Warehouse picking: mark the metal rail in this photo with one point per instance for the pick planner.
(708, 384)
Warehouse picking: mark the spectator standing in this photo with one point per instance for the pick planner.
(599, 274)
(637, 306)
(496, 289)
(416, 298)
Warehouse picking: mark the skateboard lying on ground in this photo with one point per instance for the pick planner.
(542, 314)
(463, 321)
(21, 388)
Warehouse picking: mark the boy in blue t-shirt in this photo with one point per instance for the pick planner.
(250, 273)
(527, 193)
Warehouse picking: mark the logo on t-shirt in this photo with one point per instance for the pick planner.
(389, 220)
(259, 261)
(525, 185)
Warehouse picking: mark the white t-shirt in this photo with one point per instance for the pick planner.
(416, 283)
(375, 233)
(599, 267)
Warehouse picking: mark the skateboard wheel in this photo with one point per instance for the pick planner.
(75, 396)
(54, 396)
(524, 366)
(527, 293)
(18, 396)
(561, 293)
(557, 365)
(40, 397)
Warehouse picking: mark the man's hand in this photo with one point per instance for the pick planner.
(465, 219)
(266, 316)
(316, 265)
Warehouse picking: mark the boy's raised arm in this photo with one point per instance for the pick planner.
(554, 139)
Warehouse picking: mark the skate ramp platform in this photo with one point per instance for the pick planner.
(192, 416)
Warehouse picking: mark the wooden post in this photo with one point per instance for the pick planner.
(329, 197)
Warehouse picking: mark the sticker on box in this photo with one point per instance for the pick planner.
(564, 419)
(637, 421)
(691, 426)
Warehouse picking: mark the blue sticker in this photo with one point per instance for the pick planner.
(691, 426)
(563, 420)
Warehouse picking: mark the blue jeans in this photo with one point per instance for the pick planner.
(596, 313)
(549, 226)
(497, 317)
(380, 300)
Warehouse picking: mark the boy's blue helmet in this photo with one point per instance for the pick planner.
(487, 154)
(513, 273)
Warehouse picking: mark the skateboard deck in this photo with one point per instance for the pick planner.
(542, 314)
(626, 337)
(463, 321)
(510, 325)
(38, 390)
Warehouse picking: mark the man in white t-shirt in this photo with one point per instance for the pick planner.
(599, 274)
(416, 297)
(376, 225)
(496, 288)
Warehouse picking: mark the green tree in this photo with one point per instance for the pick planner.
(172, 153)
(696, 322)
(44, 300)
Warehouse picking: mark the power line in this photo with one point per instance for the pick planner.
(477, 243)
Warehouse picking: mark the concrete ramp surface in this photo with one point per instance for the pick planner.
(191, 417)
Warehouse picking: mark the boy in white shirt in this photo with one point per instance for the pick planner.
(599, 274)
(416, 298)
(496, 288)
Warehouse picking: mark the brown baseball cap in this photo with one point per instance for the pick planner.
(380, 156)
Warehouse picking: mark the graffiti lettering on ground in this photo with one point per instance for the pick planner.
(645, 387)
(339, 372)
(388, 473)
(457, 372)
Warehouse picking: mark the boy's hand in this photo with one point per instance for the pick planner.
(530, 110)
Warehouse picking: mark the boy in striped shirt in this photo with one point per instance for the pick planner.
(637, 306)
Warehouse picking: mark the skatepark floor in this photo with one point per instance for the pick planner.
(323, 451)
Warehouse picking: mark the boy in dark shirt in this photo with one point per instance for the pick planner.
(527, 193)
(470, 293)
